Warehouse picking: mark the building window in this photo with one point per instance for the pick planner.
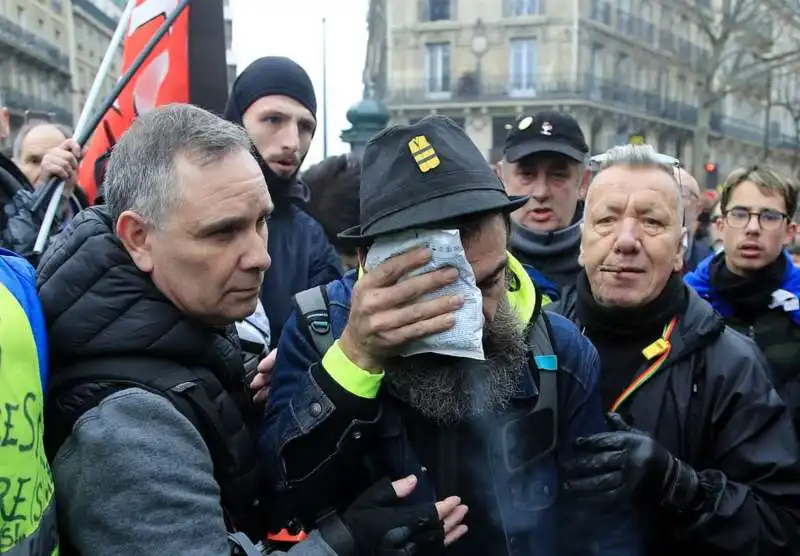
(523, 64)
(518, 8)
(438, 10)
(57, 35)
(597, 70)
(228, 34)
(437, 67)
(681, 88)
(23, 21)
(231, 70)
(622, 73)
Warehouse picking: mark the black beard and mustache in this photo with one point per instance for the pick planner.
(450, 389)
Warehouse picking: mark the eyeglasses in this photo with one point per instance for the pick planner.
(739, 217)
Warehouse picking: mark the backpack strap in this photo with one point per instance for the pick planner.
(312, 309)
(540, 340)
(546, 360)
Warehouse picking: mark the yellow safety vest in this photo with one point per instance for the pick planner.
(27, 500)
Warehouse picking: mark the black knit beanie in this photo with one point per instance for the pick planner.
(271, 75)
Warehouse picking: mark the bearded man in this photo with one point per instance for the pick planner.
(489, 431)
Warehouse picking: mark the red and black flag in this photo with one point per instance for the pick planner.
(187, 65)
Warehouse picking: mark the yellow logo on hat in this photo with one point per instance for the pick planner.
(525, 123)
(424, 154)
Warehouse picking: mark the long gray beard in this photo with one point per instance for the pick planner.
(451, 389)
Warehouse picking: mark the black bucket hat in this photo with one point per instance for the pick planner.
(413, 176)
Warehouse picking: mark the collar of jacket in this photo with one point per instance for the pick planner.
(522, 292)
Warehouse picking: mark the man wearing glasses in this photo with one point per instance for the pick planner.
(753, 282)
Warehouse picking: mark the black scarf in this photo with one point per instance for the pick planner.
(620, 334)
(637, 321)
(749, 296)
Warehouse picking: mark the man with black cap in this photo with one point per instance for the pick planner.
(273, 98)
(545, 158)
(346, 408)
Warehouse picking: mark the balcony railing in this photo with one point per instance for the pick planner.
(18, 38)
(537, 87)
(19, 101)
(589, 88)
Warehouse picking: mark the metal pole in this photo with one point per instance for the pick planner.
(324, 90)
(767, 111)
(80, 135)
(56, 187)
(576, 29)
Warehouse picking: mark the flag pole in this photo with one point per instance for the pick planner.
(324, 90)
(56, 187)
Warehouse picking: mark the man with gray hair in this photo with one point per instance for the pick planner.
(149, 417)
(712, 463)
(697, 248)
(42, 150)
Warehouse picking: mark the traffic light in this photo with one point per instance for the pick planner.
(711, 175)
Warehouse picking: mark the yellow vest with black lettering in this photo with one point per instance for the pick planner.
(27, 500)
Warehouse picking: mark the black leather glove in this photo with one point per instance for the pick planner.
(613, 467)
(377, 524)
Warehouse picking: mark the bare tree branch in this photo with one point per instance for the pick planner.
(747, 42)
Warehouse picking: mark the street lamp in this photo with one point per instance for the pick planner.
(480, 44)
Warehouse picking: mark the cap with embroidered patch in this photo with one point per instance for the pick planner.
(417, 175)
(547, 131)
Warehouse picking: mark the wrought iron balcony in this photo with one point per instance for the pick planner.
(24, 41)
(20, 102)
(611, 93)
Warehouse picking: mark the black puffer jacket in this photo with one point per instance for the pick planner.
(99, 305)
(712, 405)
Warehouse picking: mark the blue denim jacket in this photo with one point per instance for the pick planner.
(531, 512)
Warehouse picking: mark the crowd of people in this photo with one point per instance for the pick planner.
(203, 362)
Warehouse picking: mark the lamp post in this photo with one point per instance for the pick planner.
(324, 89)
(479, 45)
(767, 114)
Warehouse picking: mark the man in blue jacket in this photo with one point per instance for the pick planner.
(489, 431)
(273, 98)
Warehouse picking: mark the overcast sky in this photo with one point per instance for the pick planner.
(294, 29)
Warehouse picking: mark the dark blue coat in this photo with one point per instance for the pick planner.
(301, 256)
